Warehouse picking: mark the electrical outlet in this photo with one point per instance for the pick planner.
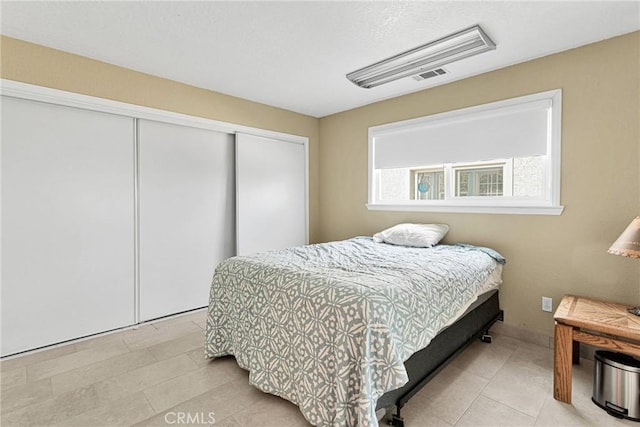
(547, 304)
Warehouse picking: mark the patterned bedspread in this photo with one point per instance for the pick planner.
(329, 326)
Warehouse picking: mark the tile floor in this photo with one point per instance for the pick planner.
(156, 375)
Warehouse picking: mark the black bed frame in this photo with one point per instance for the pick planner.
(426, 363)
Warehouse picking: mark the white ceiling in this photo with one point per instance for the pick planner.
(295, 54)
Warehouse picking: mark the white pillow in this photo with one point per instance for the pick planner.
(415, 235)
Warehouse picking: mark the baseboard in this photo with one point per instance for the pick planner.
(533, 337)
(523, 334)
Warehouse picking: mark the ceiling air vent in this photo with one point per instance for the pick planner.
(428, 74)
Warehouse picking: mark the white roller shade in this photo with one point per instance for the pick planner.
(513, 131)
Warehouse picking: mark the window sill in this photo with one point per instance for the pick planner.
(486, 209)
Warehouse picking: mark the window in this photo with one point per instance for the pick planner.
(427, 184)
(502, 157)
(479, 182)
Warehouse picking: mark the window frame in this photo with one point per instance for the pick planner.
(549, 204)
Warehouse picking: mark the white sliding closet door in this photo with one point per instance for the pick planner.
(67, 223)
(187, 214)
(271, 194)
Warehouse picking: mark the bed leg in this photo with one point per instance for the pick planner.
(397, 421)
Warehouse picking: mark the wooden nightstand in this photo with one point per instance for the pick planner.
(598, 323)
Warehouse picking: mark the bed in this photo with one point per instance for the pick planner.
(342, 329)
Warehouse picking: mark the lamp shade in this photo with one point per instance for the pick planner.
(628, 244)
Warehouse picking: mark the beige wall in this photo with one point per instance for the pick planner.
(547, 255)
(39, 65)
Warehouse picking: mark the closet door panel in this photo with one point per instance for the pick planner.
(187, 214)
(67, 223)
(271, 194)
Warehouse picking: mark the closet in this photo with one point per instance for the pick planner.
(271, 194)
(114, 214)
(67, 223)
(187, 214)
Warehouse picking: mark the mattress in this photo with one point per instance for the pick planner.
(492, 282)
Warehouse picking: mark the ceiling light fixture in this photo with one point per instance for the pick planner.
(432, 55)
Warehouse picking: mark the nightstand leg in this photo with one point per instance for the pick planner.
(562, 362)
